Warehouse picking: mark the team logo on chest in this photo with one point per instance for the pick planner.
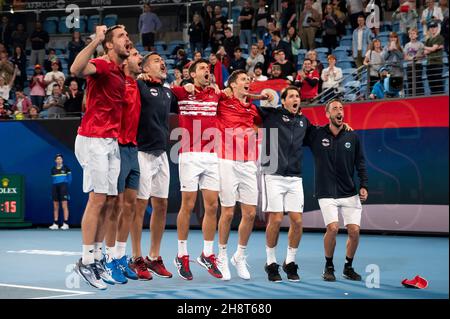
(154, 92)
(348, 145)
(285, 118)
(326, 142)
(168, 94)
(301, 123)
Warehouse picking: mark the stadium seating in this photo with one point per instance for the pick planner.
(92, 22)
(110, 19)
(235, 12)
(83, 22)
(51, 24)
(62, 27)
(346, 40)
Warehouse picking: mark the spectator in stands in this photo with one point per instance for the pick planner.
(230, 42)
(5, 87)
(267, 38)
(308, 81)
(246, 21)
(309, 21)
(19, 37)
(217, 35)
(72, 77)
(355, 10)
(262, 18)
(19, 59)
(6, 67)
(51, 78)
(22, 104)
(393, 58)
(278, 44)
(378, 90)
(262, 49)
(149, 24)
(276, 72)
(288, 16)
(258, 73)
(207, 16)
(218, 16)
(414, 53)
(374, 61)
(389, 8)
(254, 58)
(5, 113)
(434, 46)
(51, 57)
(317, 5)
(33, 113)
(288, 71)
(331, 77)
(54, 104)
(407, 15)
(61, 82)
(360, 41)
(5, 32)
(196, 33)
(223, 57)
(330, 28)
(3, 48)
(186, 77)
(197, 56)
(37, 85)
(218, 71)
(39, 38)
(338, 8)
(74, 47)
(444, 32)
(238, 62)
(178, 78)
(431, 13)
(294, 40)
(316, 64)
(276, 18)
(443, 4)
(181, 59)
(74, 99)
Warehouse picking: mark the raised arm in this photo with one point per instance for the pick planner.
(81, 66)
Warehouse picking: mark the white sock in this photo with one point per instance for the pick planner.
(240, 252)
(271, 258)
(208, 248)
(222, 250)
(151, 258)
(98, 251)
(88, 254)
(182, 248)
(120, 249)
(290, 256)
(109, 254)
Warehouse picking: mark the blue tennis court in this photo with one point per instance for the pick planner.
(37, 264)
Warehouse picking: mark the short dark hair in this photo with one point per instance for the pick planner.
(147, 56)
(234, 76)
(327, 106)
(59, 154)
(109, 35)
(285, 91)
(193, 67)
(238, 49)
(227, 29)
(276, 33)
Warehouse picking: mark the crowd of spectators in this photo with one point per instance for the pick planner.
(277, 52)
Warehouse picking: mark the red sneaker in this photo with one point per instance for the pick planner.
(140, 268)
(157, 267)
(210, 264)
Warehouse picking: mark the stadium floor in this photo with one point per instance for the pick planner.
(37, 263)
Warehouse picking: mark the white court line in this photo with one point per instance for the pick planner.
(58, 296)
(71, 292)
(45, 252)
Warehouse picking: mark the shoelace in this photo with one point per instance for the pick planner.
(185, 262)
(140, 264)
(244, 258)
(96, 272)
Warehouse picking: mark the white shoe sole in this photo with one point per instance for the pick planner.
(88, 282)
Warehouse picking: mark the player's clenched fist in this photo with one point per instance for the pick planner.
(100, 32)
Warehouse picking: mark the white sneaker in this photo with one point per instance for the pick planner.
(222, 264)
(65, 226)
(54, 227)
(240, 262)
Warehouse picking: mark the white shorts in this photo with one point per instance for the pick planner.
(155, 176)
(198, 169)
(238, 183)
(282, 194)
(350, 207)
(100, 160)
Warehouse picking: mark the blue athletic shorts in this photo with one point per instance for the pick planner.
(129, 168)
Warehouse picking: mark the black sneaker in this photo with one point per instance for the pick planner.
(90, 274)
(291, 271)
(182, 265)
(328, 274)
(351, 274)
(272, 272)
(210, 263)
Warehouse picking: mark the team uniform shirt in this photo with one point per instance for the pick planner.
(104, 101)
(130, 113)
(307, 90)
(197, 112)
(236, 122)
